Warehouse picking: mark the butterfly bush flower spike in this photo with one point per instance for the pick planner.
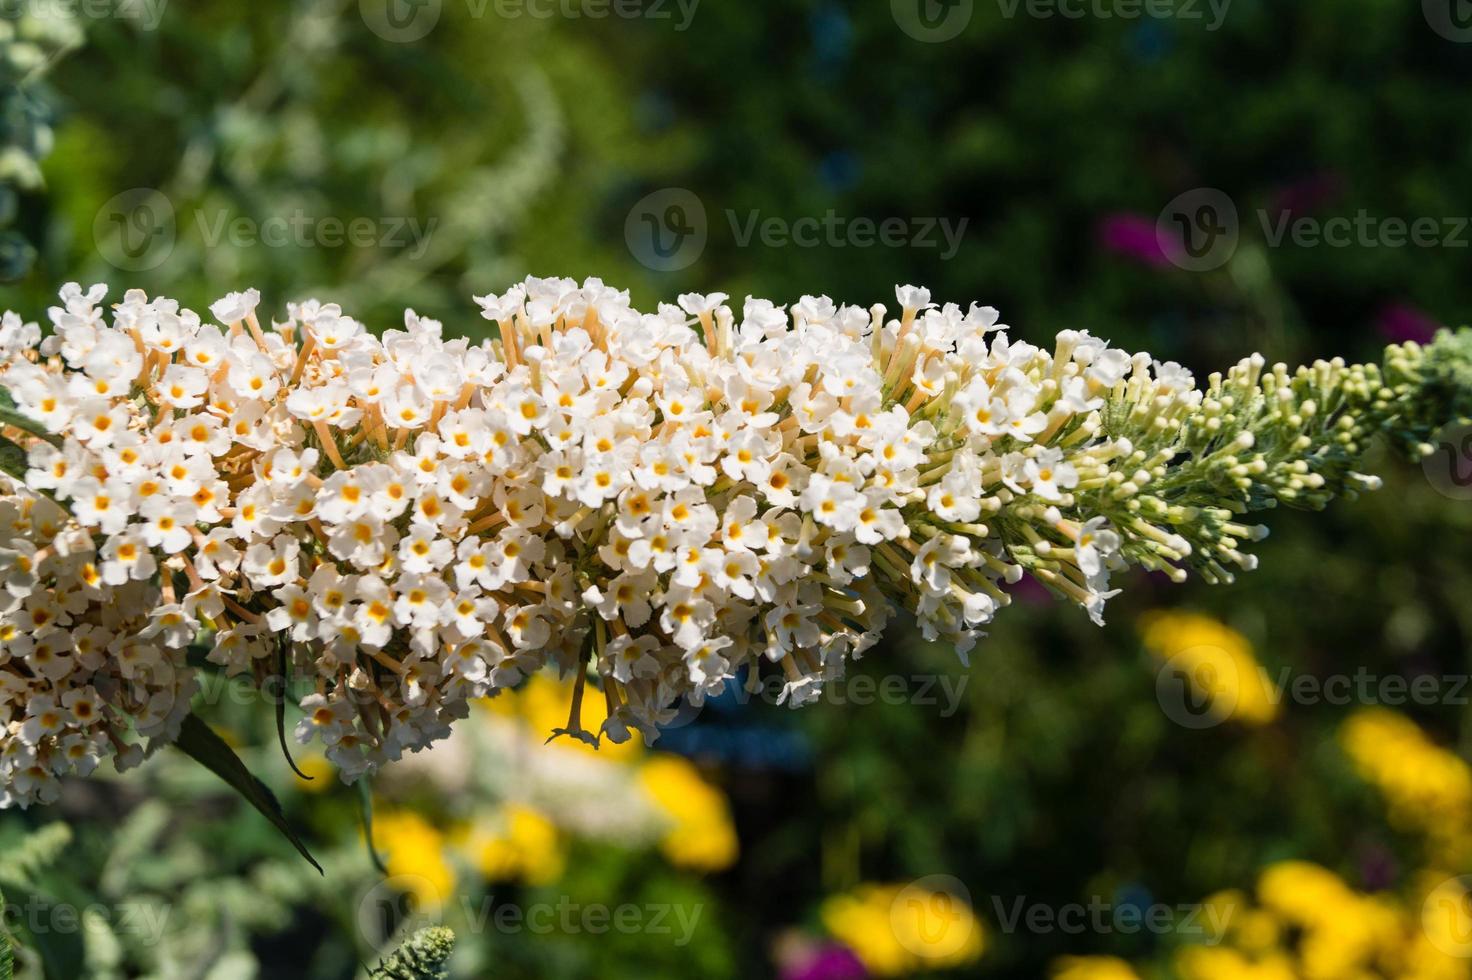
(658, 503)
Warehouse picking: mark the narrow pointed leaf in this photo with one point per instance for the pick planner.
(13, 459)
(9, 416)
(283, 653)
(365, 800)
(202, 744)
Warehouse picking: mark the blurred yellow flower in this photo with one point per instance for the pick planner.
(701, 835)
(1215, 660)
(323, 773)
(1311, 925)
(1093, 968)
(900, 929)
(1427, 789)
(1222, 963)
(517, 843)
(542, 703)
(1445, 938)
(414, 854)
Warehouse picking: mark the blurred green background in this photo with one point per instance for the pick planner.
(1199, 181)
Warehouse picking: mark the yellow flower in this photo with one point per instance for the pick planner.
(1427, 789)
(900, 929)
(701, 835)
(1342, 933)
(323, 773)
(521, 844)
(1442, 948)
(1312, 926)
(414, 855)
(1093, 968)
(1216, 661)
(1221, 963)
(543, 703)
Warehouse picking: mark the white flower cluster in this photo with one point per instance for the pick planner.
(408, 521)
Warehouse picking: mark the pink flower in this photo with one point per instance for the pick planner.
(1133, 237)
(1400, 322)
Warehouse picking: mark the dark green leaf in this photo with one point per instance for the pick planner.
(202, 744)
(13, 459)
(365, 800)
(283, 655)
(9, 416)
(7, 958)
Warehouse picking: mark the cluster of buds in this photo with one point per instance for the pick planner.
(659, 504)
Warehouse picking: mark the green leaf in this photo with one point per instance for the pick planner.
(283, 659)
(13, 459)
(202, 744)
(365, 810)
(7, 957)
(9, 416)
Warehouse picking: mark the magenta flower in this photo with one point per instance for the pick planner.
(1400, 322)
(1133, 237)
